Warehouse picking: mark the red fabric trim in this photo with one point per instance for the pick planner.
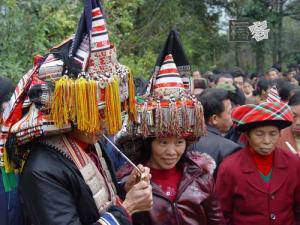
(102, 43)
(96, 12)
(169, 84)
(263, 163)
(81, 144)
(172, 70)
(99, 28)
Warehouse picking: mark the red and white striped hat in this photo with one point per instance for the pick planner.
(99, 33)
(273, 95)
(168, 81)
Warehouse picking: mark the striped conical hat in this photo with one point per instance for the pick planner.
(167, 109)
(168, 81)
(99, 39)
(273, 95)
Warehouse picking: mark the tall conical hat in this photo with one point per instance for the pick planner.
(79, 83)
(167, 108)
(174, 47)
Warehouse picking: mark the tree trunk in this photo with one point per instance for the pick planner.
(279, 46)
(237, 54)
(260, 56)
(274, 33)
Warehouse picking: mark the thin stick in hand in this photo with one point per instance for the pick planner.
(124, 156)
(291, 147)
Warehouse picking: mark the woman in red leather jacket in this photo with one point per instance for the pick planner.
(182, 185)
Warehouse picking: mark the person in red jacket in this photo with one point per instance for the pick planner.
(261, 183)
(169, 118)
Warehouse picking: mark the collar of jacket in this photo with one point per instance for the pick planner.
(213, 129)
(280, 166)
(248, 165)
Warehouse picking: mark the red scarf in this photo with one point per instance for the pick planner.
(167, 180)
(263, 163)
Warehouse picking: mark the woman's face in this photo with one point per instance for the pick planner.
(263, 139)
(166, 152)
(248, 89)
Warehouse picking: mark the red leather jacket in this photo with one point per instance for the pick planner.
(196, 202)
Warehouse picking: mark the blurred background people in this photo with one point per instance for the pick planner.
(10, 208)
(217, 114)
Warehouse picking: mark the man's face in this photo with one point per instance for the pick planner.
(263, 139)
(238, 81)
(272, 75)
(196, 74)
(223, 121)
(291, 75)
(296, 121)
(225, 80)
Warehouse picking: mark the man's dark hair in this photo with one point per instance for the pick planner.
(237, 72)
(284, 90)
(277, 66)
(212, 101)
(293, 66)
(221, 75)
(237, 97)
(295, 99)
(200, 83)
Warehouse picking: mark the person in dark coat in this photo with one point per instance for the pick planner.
(260, 184)
(51, 128)
(217, 115)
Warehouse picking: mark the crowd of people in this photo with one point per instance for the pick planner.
(218, 148)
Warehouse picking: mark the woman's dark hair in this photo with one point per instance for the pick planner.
(146, 150)
(295, 99)
(262, 85)
(253, 75)
(212, 101)
(237, 97)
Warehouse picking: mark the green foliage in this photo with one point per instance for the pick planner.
(31, 27)
(139, 29)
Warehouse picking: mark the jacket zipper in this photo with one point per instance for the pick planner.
(180, 191)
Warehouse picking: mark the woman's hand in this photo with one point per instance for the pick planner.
(135, 177)
(139, 197)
